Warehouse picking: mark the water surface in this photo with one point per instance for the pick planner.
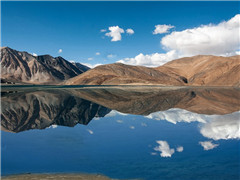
(124, 133)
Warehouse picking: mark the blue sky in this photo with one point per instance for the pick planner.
(74, 27)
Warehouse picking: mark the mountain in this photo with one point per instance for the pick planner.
(25, 110)
(23, 67)
(193, 71)
(22, 111)
(118, 73)
(206, 70)
(146, 100)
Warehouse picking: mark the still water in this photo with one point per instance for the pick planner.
(123, 133)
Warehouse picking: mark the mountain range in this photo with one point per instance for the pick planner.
(22, 67)
(25, 110)
(201, 70)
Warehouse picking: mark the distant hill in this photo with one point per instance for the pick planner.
(117, 73)
(202, 70)
(23, 67)
(194, 71)
(207, 70)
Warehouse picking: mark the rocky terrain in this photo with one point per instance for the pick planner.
(191, 71)
(206, 70)
(22, 111)
(146, 100)
(117, 73)
(202, 70)
(22, 67)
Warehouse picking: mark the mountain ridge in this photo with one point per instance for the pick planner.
(20, 66)
(200, 70)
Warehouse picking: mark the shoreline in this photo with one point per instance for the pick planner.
(58, 176)
(6, 87)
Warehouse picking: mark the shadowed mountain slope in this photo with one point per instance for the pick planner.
(118, 73)
(193, 71)
(23, 67)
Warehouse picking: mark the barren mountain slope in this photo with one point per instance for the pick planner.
(206, 70)
(23, 67)
(115, 74)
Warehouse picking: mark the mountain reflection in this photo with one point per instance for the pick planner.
(22, 111)
(29, 109)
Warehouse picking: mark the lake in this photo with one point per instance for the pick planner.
(123, 132)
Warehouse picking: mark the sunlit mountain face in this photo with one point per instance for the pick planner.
(122, 132)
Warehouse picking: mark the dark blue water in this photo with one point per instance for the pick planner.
(124, 146)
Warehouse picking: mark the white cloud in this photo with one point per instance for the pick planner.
(176, 115)
(111, 56)
(151, 60)
(207, 145)
(91, 65)
(103, 30)
(119, 121)
(164, 149)
(222, 127)
(90, 131)
(115, 33)
(90, 59)
(114, 113)
(179, 149)
(130, 31)
(53, 126)
(131, 127)
(97, 53)
(161, 29)
(220, 39)
(34, 54)
(60, 51)
(214, 127)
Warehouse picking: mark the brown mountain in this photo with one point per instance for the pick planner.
(193, 71)
(206, 70)
(23, 67)
(22, 111)
(146, 100)
(117, 73)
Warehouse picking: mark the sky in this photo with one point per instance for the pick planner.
(136, 33)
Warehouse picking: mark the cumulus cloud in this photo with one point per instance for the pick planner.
(131, 127)
(164, 148)
(97, 53)
(60, 51)
(207, 145)
(176, 115)
(150, 60)
(213, 39)
(130, 31)
(161, 29)
(115, 33)
(119, 121)
(34, 54)
(53, 126)
(220, 39)
(214, 127)
(111, 56)
(179, 149)
(222, 127)
(103, 30)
